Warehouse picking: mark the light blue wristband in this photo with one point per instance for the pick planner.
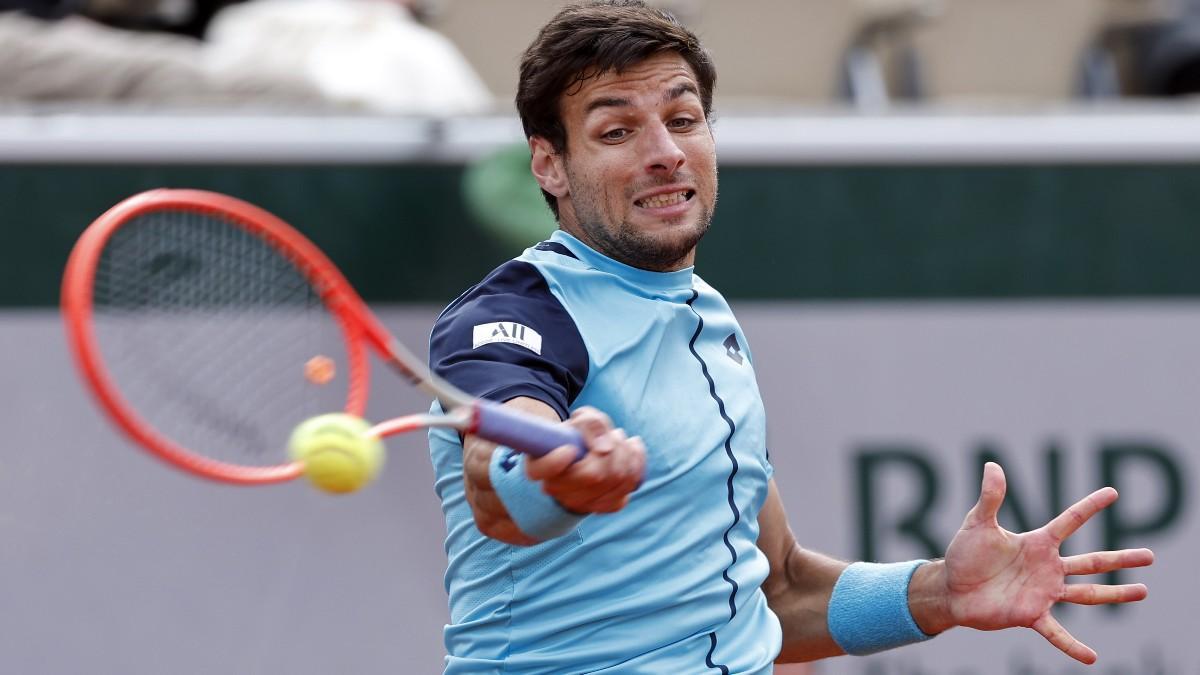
(535, 513)
(868, 611)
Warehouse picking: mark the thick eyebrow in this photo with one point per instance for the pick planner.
(608, 102)
(679, 90)
(615, 102)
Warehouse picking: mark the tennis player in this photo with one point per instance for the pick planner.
(669, 552)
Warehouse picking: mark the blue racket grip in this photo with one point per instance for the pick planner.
(522, 432)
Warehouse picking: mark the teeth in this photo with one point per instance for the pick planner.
(659, 201)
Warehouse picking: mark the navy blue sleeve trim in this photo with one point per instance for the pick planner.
(515, 294)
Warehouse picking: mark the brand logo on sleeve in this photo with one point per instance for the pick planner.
(506, 331)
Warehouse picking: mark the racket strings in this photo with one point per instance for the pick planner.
(206, 330)
(145, 270)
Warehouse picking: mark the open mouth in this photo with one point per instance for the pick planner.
(665, 199)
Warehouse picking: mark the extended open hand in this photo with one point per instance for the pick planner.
(998, 579)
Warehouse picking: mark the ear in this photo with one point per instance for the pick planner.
(547, 167)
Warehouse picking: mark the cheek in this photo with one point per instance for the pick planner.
(701, 155)
(708, 158)
(592, 192)
(608, 183)
(709, 172)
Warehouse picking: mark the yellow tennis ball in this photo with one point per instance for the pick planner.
(337, 454)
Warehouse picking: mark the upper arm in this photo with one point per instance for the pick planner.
(509, 337)
(511, 341)
(798, 585)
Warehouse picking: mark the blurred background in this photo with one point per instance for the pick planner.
(954, 231)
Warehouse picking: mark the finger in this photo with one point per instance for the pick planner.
(591, 492)
(551, 464)
(599, 483)
(1097, 594)
(628, 463)
(1058, 636)
(587, 414)
(625, 471)
(610, 502)
(581, 483)
(1107, 561)
(991, 496)
(1065, 523)
(594, 425)
(618, 437)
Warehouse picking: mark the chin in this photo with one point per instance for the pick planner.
(663, 250)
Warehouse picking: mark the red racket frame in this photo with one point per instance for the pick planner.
(355, 319)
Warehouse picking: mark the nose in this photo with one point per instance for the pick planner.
(662, 155)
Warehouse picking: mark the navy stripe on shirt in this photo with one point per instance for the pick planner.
(737, 516)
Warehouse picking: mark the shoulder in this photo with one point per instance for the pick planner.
(528, 287)
(516, 289)
(509, 334)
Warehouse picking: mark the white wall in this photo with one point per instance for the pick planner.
(113, 563)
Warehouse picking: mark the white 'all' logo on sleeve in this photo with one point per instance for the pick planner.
(506, 331)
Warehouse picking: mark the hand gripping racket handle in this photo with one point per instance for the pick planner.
(523, 433)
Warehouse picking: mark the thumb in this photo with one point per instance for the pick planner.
(991, 496)
(550, 464)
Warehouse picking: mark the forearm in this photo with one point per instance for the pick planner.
(799, 596)
(830, 609)
(491, 516)
(869, 609)
(798, 586)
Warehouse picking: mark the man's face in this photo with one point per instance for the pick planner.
(638, 180)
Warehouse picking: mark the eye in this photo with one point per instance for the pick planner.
(614, 134)
(682, 123)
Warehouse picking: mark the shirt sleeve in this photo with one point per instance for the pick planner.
(510, 336)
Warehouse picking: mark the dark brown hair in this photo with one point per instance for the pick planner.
(586, 40)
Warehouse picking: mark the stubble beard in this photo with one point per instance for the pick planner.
(658, 252)
(663, 251)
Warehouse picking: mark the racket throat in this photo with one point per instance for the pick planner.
(457, 419)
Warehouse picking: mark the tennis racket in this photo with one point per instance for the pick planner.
(207, 329)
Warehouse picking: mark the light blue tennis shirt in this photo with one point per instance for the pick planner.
(671, 583)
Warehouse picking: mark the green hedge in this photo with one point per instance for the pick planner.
(402, 233)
